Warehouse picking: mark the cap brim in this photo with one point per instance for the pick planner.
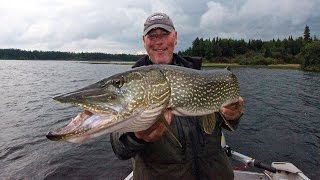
(163, 26)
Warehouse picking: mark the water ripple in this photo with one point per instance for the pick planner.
(281, 120)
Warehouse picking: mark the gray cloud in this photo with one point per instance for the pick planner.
(116, 26)
(259, 18)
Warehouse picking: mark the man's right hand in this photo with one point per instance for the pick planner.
(154, 132)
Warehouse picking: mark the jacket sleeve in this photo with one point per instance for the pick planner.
(126, 145)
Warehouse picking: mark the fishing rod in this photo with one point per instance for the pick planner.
(248, 161)
(278, 170)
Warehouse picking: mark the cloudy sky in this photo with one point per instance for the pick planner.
(116, 26)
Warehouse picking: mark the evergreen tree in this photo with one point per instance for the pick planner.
(306, 34)
(196, 47)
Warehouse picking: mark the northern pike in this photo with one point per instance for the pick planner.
(134, 100)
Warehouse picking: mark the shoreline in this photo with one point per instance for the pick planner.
(271, 66)
(222, 65)
(109, 62)
(205, 64)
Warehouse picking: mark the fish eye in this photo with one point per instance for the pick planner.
(118, 82)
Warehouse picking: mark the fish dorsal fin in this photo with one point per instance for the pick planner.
(208, 123)
(169, 130)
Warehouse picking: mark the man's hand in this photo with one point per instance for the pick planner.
(233, 111)
(154, 132)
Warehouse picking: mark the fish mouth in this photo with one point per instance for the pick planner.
(96, 116)
(86, 125)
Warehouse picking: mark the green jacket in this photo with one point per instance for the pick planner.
(201, 155)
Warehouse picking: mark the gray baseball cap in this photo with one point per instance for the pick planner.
(158, 20)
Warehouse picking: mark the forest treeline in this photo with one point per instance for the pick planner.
(17, 54)
(304, 50)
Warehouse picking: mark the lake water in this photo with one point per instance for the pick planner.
(281, 121)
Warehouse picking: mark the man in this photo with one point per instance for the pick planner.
(155, 155)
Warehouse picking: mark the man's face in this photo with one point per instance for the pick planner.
(159, 45)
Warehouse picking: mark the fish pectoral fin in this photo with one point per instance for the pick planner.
(226, 122)
(170, 134)
(208, 123)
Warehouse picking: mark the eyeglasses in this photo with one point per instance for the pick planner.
(154, 36)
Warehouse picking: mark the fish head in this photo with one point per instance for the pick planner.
(110, 103)
(110, 95)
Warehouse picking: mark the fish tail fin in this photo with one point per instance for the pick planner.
(226, 122)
